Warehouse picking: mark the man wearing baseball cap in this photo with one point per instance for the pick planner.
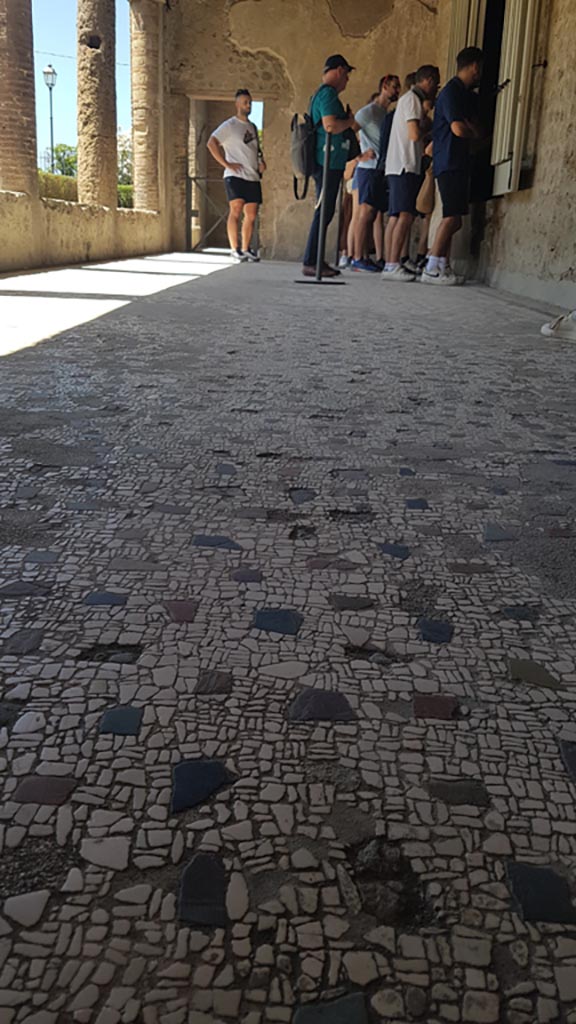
(328, 114)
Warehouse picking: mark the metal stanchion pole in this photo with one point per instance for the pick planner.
(318, 279)
(322, 229)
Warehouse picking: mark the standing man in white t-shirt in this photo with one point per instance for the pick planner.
(236, 147)
(404, 164)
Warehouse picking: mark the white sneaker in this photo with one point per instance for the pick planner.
(399, 274)
(440, 277)
(343, 262)
(251, 256)
(562, 327)
(238, 256)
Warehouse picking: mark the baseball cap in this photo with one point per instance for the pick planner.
(337, 61)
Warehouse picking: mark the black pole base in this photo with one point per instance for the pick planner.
(313, 280)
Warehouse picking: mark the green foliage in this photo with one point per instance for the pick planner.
(66, 160)
(126, 197)
(58, 186)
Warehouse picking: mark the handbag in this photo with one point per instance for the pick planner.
(426, 195)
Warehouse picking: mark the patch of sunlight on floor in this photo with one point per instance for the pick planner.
(38, 305)
(28, 319)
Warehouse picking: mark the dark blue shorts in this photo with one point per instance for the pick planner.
(454, 188)
(404, 189)
(239, 188)
(372, 188)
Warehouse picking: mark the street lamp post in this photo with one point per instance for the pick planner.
(50, 77)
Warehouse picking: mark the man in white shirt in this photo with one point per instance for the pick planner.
(235, 146)
(404, 164)
(372, 187)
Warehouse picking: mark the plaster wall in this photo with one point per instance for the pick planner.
(276, 49)
(530, 236)
(48, 232)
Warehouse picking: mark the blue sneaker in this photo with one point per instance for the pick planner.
(365, 265)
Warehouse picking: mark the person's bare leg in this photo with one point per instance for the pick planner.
(406, 246)
(424, 233)
(233, 223)
(378, 236)
(250, 214)
(401, 233)
(447, 227)
(364, 219)
(388, 236)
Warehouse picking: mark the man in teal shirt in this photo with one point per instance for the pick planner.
(329, 115)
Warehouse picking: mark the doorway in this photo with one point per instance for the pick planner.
(207, 207)
(482, 180)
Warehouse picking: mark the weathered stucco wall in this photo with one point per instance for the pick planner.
(48, 232)
(530, 240)
(276, 49)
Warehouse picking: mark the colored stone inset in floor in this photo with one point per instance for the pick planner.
(202, 897)
(284, 621)
(347, 1010)
(438, 706)
(182, 611)
(399, 551)
(105, 598)
(122, 721)
(435, 632)
(541, 894)
(213, 681)
(320, 706)
(194, 782)
(350, 603)
(522, 670)
(202, 540)
(457, 792)
(44, 789)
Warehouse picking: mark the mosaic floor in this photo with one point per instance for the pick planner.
(287, 664)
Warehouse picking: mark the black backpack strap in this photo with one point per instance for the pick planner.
(304, 191)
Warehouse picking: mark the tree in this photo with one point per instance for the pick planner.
(66, 160)
(124, 158)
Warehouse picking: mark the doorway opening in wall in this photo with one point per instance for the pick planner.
(482, 170)
(207, 206)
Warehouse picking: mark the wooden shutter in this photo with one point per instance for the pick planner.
(515, 79)
(467, 29)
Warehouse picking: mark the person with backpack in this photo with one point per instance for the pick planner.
(235, 145)
(328, 115)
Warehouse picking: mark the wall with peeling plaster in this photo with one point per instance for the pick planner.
(276, 49)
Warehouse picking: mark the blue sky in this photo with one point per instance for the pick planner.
(55, 43)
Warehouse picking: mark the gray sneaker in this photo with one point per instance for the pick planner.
(238, 256)
(400, 274)
(440, 277)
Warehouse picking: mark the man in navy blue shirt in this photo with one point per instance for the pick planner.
(455, 124)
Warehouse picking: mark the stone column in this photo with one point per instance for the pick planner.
(147, 88)
(97, 156)
(17, 110)
(178, 134)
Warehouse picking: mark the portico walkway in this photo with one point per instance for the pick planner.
(288, 600)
